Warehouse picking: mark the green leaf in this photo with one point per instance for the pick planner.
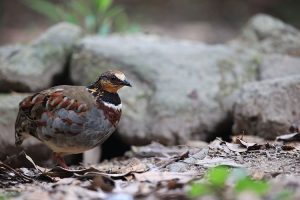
(121, 23)
(90, 23)
(105, 28)
(247, 184)
(65, 15)
(114, 12)
(96, 16)
(71, 18)
(103, 5)
(45, 8)
(80, 8)
(217, 176)
(199, 189)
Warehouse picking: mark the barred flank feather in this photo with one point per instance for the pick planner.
(19, 132)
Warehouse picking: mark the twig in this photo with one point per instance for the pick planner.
(15, 171)
(175, 159)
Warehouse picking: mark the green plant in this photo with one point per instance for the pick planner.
(213, 183)
(258, 187)
(216, 183)
(8, 195)
(95, 16)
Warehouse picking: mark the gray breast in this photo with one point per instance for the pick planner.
(98, 127)
(85, 132)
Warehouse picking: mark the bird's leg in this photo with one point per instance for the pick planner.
(60, 160)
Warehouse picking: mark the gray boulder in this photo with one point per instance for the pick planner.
(32, 67)
(180, 88)
(268, 108)
(186, 90)
(278, 65)
(269, 35)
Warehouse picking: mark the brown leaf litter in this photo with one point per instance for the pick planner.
(153, 171)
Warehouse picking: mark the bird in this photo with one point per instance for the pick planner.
(72, 119)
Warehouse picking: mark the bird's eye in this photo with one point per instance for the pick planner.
(113, 78)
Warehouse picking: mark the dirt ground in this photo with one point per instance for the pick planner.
(157, 172)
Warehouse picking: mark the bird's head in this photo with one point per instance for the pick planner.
(111, 81)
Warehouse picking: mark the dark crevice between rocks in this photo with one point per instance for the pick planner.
(7, 87)
(12, 154)
(223, 130)
(114, 147)
(64, 78)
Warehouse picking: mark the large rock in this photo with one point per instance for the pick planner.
(269, 35)
(179, 89)
(268, 108)
(32, 67)
(278, 65)
(277, 46)
(9, 104)
(186, 90)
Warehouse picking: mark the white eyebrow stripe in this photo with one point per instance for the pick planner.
(58, 90)
(120, 76)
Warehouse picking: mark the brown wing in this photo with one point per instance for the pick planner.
(49, 101)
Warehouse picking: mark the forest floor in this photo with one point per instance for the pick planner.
(159, 172)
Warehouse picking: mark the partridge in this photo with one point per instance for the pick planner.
(72, 119)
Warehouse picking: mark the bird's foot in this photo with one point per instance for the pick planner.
(60, 160)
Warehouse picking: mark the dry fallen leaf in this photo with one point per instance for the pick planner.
(295, 145)
(287, 147)
(219, 144)
(289, 137)
(83, 173)
(216, 144)
(240, 145)
(248, 145)
(199, 155)
(146, 178)
(249, 138)
(236, 147)
(122, 167)
(102, 182)
(10, 176)
(29, 167)
(158, 176)
(22, 160)
(212, 162)
(168, 161)
(157, 150)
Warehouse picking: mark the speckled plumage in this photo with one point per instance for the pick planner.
(72, 119)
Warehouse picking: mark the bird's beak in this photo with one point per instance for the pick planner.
(126, 83)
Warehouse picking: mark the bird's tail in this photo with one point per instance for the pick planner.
(20, 129)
